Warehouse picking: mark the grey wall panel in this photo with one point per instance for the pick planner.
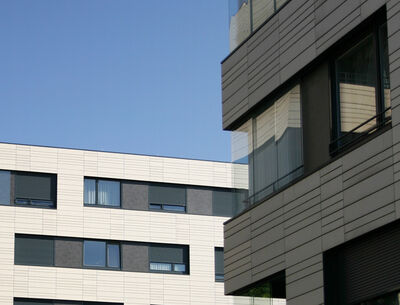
(291, 229)
(199, 201)
(135, 257)
(68, 252)
(315, 102)
(303, 30)
(135, 196)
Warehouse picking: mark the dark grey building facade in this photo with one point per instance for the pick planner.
(311, 91)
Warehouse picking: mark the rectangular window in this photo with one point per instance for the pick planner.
(362, 96)
(5, 182)
(272, 144)
(35, 189)
(166, 197)
(34, 250)
(169, 258)
(102, 192)
(101, 254)
(219, 264)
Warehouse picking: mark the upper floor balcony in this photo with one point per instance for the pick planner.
(246, 16)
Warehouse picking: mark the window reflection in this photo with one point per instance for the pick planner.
(239, 23)
(356, 72)
(248, 15)
(362, 83)
(271, 143)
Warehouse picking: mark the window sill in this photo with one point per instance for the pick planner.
(102, 206)
(29, 206)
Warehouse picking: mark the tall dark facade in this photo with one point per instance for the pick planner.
(311, 91)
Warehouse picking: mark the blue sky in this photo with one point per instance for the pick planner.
(117, 75)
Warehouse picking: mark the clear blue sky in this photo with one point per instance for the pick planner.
(137, 76)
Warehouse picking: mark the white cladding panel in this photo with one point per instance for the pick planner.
(71, 218)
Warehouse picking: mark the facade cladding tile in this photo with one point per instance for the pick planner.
(341, 197)
(43, 252)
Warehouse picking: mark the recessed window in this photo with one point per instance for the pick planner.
(102, 192)
(169, 258)
(271, 143)
(171, 198)
(35, 189)
(362, 96)
(219, 264)
(101, 254)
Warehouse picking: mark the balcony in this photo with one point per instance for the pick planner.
(246, 16)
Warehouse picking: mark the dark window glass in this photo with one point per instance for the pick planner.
(224, 203)
(155, 206)
(94, 253)
(362, 101)
(102, 192)
(169, 258)
(173, 208)
(113, 256)
(219, 264)
(170, 197)
(101, 254)
(273, 286)
(356, 74)
(34, 250)
(385, 66)
(5, 182)
(35, 189)
(228, 202)
(32, 302)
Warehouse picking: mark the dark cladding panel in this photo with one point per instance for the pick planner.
(135, 196)
(199, 201)
(135, 257)
(68, 252)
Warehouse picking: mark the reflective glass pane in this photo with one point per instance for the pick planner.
(113, 256)
(356, 76)
(155, 206)
(265, 154)
(239, 22)
(385, 67)
(261, 10)
(109, 192)
(160, 266)
(174, 208)
(94, 253)
(288, 137)
(242, 148)
(5, 181)
(90, 191)
(179, 268)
